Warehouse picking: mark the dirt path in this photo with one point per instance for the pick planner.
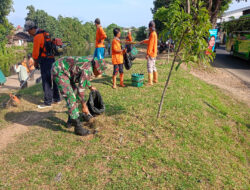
(13, 83)
(233, 86)
(9, 134)
(21, 123)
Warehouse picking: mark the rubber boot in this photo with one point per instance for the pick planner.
(121, 80)
(155, 76)
(114, 82)
(150, 79)
(79, 130)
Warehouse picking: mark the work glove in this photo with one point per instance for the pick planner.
(86, 117)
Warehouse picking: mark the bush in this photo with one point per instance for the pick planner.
(10, 57)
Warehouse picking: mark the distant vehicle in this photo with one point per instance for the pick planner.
(238, 44)
(166, 46)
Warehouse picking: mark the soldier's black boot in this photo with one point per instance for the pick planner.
(79, 130)
(69, 124)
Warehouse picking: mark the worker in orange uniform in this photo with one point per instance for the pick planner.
(45, 61)
(31, 66)
(117, 57)
(128, 41)
(151, 54)
(99, 42)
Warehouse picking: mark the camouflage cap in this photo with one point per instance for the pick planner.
(29, 24)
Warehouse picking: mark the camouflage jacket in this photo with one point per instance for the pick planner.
(76, 70)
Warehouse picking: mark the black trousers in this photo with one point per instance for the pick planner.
(118, 68)
(50, 88)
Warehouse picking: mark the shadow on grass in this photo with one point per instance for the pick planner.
(106, 80)
(215, 109)
(46, 120)
(248, 126)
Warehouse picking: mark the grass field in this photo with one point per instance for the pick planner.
(201, 140)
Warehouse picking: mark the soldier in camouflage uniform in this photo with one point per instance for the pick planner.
(72, 75)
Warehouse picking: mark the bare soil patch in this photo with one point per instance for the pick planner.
(219, 77)
(8, 135)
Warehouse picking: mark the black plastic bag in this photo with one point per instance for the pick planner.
(127, 61)
(95, 103)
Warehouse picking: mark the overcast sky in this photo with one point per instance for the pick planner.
(125, 13)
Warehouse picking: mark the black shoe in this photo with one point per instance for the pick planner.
(86, 117)
(79, 130)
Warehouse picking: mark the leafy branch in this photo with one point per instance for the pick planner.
(190, 30)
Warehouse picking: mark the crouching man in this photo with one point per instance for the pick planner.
(72, 75)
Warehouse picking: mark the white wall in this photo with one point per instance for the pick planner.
(227, 17)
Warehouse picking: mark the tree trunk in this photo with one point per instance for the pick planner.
(214, 21)
(214, 13)
(188, 6)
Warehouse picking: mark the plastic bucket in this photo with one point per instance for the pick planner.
(137, 79)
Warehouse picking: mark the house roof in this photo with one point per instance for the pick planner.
(20, 36)
(24, 36)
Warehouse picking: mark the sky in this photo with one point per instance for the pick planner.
(125, 13)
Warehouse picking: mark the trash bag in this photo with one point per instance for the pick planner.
(2, 78)
(127, 61)
(95, 103)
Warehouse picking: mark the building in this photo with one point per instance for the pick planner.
(19, 38)
(235, 14)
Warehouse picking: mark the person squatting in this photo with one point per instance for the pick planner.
(67, 72)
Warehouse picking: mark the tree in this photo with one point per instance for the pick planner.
(189, 31)
(109, 31)
(5, 8)
(141, 33)
(5, 27)
(241, 24)
(69, 29)
(215, 8)
(158, 4)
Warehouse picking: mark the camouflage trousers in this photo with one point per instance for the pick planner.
(67, 91)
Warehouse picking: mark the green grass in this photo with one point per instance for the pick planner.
(201, 140)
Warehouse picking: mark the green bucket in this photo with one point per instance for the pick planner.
(137, 79)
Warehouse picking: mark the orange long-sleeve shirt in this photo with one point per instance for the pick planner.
(38, 43)
(117, 55)
(100, 37)
(152, 44)
(129, 38)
